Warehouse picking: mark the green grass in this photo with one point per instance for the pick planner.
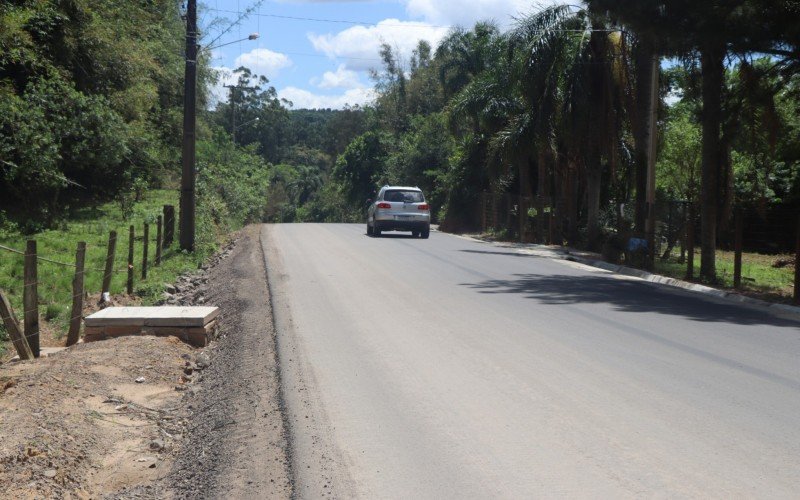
(759, 277)
(93, 225)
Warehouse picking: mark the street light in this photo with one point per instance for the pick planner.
(233, 131)
(252, 36)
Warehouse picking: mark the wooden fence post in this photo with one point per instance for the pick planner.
(30, 298)
(109, 271)
(169, 225)
(797, 265)
(131, 238)
(690, 244)
(12, 326)
(145, 237)
(77, 296)
(159, 243)
(737, 256)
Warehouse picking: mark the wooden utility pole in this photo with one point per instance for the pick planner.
(652, 143)
(484, 201)
(737, 256)
(13, 329)
(187, 225)
(690, 243)
(77, 296)
(233, 108)
(30, 298)
(797, 266)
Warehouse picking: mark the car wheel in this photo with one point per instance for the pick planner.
(376, 232)
(369, 229)
(426, 233)
(415, 234)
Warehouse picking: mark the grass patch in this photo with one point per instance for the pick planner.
(759, 277)
(93, 225)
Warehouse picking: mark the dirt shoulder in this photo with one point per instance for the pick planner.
(147, 417)
(237, 445)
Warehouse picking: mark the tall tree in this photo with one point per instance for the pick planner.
(710, 31)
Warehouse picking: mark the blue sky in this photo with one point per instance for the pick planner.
(325, 64)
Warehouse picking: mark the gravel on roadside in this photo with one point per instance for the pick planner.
(236, 445)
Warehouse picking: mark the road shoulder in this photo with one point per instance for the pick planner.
(237, 446)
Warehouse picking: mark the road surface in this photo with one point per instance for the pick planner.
(449, 368)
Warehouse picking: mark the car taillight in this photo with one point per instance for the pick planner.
(383, 205)
(424, 206)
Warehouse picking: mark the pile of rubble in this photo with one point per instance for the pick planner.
(191, 289)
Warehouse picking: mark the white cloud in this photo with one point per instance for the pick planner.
(342, 78)
(264, 62)
(362, 43)
(303, 99)
(218, 93)
(260, 61)
(454, 12)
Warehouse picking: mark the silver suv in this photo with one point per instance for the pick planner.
(399, 208)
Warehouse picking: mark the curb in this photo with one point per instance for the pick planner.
(728, 296)
(782, 309)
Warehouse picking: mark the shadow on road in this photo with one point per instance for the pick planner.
(628, 296)
(394, 235)
(506, 254)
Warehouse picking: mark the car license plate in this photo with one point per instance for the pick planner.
(402, 217)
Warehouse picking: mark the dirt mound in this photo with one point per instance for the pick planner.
(92, 420)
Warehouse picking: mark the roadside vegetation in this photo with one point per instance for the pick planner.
(765, 276)
(555, 108)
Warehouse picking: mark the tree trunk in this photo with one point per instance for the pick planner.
(525, 195)
(541, 181)
(571, 188)
(639, 123)
(593, 208)
(524, 175)
(713, 72)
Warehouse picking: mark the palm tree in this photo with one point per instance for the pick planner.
(710, 31)
(571, 93)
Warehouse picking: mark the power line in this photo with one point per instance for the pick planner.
(339, 21)
(410, 24)
(242, 15)
(305, 54)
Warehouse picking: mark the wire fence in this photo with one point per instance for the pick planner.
(31, 281)
(756, 246)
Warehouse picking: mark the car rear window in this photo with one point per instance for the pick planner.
(404, 196)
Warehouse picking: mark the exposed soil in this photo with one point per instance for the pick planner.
(77, 424)
(197, 424)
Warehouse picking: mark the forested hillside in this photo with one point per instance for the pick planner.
(555, 109)
(90, 102)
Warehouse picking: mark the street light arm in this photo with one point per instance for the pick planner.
(247, 123)
(252, 36)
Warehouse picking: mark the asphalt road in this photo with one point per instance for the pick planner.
(448, 368)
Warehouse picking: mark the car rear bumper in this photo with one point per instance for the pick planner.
(402, 225)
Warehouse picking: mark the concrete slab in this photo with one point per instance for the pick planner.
(172, 316)
(44, 352)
